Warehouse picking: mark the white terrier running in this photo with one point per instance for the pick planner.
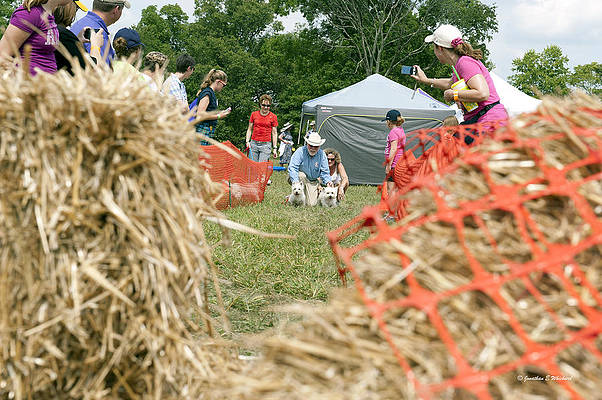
(328, 197)
(297, 196)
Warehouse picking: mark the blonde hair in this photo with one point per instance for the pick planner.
(465, 49)
(32, 3)
(155, 59)
(64, 15)
(450, 121)
(265, 97)
(337, 155)
(212, 76)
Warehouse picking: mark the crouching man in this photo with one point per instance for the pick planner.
(307, 164)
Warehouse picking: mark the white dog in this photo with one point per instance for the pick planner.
(328, 197)
(297, 196)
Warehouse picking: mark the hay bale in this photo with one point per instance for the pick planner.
(103, 260)
(489, 288)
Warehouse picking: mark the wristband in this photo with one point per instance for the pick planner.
(455, 95)
(432, 83)
(218, 116)
(94, 47)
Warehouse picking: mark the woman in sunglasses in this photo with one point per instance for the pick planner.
(207, 113)
(262, 130)
(337, 172)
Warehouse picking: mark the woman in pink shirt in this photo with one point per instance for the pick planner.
(396, 142)
(33, 24)
(451, 49)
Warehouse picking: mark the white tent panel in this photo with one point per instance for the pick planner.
(515, 101)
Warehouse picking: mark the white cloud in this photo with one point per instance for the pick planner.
(573, 25)
(555, 19)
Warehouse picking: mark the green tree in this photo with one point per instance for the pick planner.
(6, 10)
(165, 30)
(588, 77)
(383, 34)
(545, 72)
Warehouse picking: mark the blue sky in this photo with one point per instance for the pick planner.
(573, 25)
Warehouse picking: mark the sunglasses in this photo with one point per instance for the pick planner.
(223, 83)
(266, 105)
(331, 159)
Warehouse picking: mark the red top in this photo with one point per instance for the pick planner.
(262, 126)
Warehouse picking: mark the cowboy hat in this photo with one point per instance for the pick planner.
(314, 139)
(286, 126)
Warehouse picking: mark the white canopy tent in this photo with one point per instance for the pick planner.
(515, 101)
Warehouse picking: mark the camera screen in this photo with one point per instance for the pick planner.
(407, 70)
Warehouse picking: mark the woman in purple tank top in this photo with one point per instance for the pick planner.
(33, 24)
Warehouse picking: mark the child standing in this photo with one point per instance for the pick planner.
(396, 141)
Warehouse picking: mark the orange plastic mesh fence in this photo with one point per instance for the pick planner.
(510, 198)
(429, 150)
(243, 180)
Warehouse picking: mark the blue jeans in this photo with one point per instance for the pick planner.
(259, 151)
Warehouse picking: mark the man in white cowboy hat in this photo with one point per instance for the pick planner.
(309, 163)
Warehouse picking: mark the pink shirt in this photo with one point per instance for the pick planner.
(468, 67)
(42, 44)
(398, 134)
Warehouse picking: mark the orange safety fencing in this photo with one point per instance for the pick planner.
(243, 180)
(437, 150)
(428, 150)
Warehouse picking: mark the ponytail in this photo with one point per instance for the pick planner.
(465, 49)
(211, 77)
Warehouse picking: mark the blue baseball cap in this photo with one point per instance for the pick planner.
(394, 116)
(131, 37)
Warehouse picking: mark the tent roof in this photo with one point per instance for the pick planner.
(515, 101)
(375, 91)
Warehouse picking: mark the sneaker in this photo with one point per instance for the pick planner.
(269, 182)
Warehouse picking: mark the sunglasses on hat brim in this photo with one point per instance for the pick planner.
(80, 5)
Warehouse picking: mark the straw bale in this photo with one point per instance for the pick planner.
(415, 284)
(104, 266)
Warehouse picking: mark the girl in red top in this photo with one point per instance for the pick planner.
(262, 130)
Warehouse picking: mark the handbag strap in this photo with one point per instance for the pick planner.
(481, 112)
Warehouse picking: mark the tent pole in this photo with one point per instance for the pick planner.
(300, 127)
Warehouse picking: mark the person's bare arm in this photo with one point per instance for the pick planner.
(11, 41)
(392, 153)
(274, 140)
(248, 135)
(439, 83)
(344, 182)
(478, 91)
(97, 40)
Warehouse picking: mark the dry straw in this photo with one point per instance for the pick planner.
(341, 351)
(104, 267)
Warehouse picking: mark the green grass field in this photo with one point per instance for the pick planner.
(258, 273)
